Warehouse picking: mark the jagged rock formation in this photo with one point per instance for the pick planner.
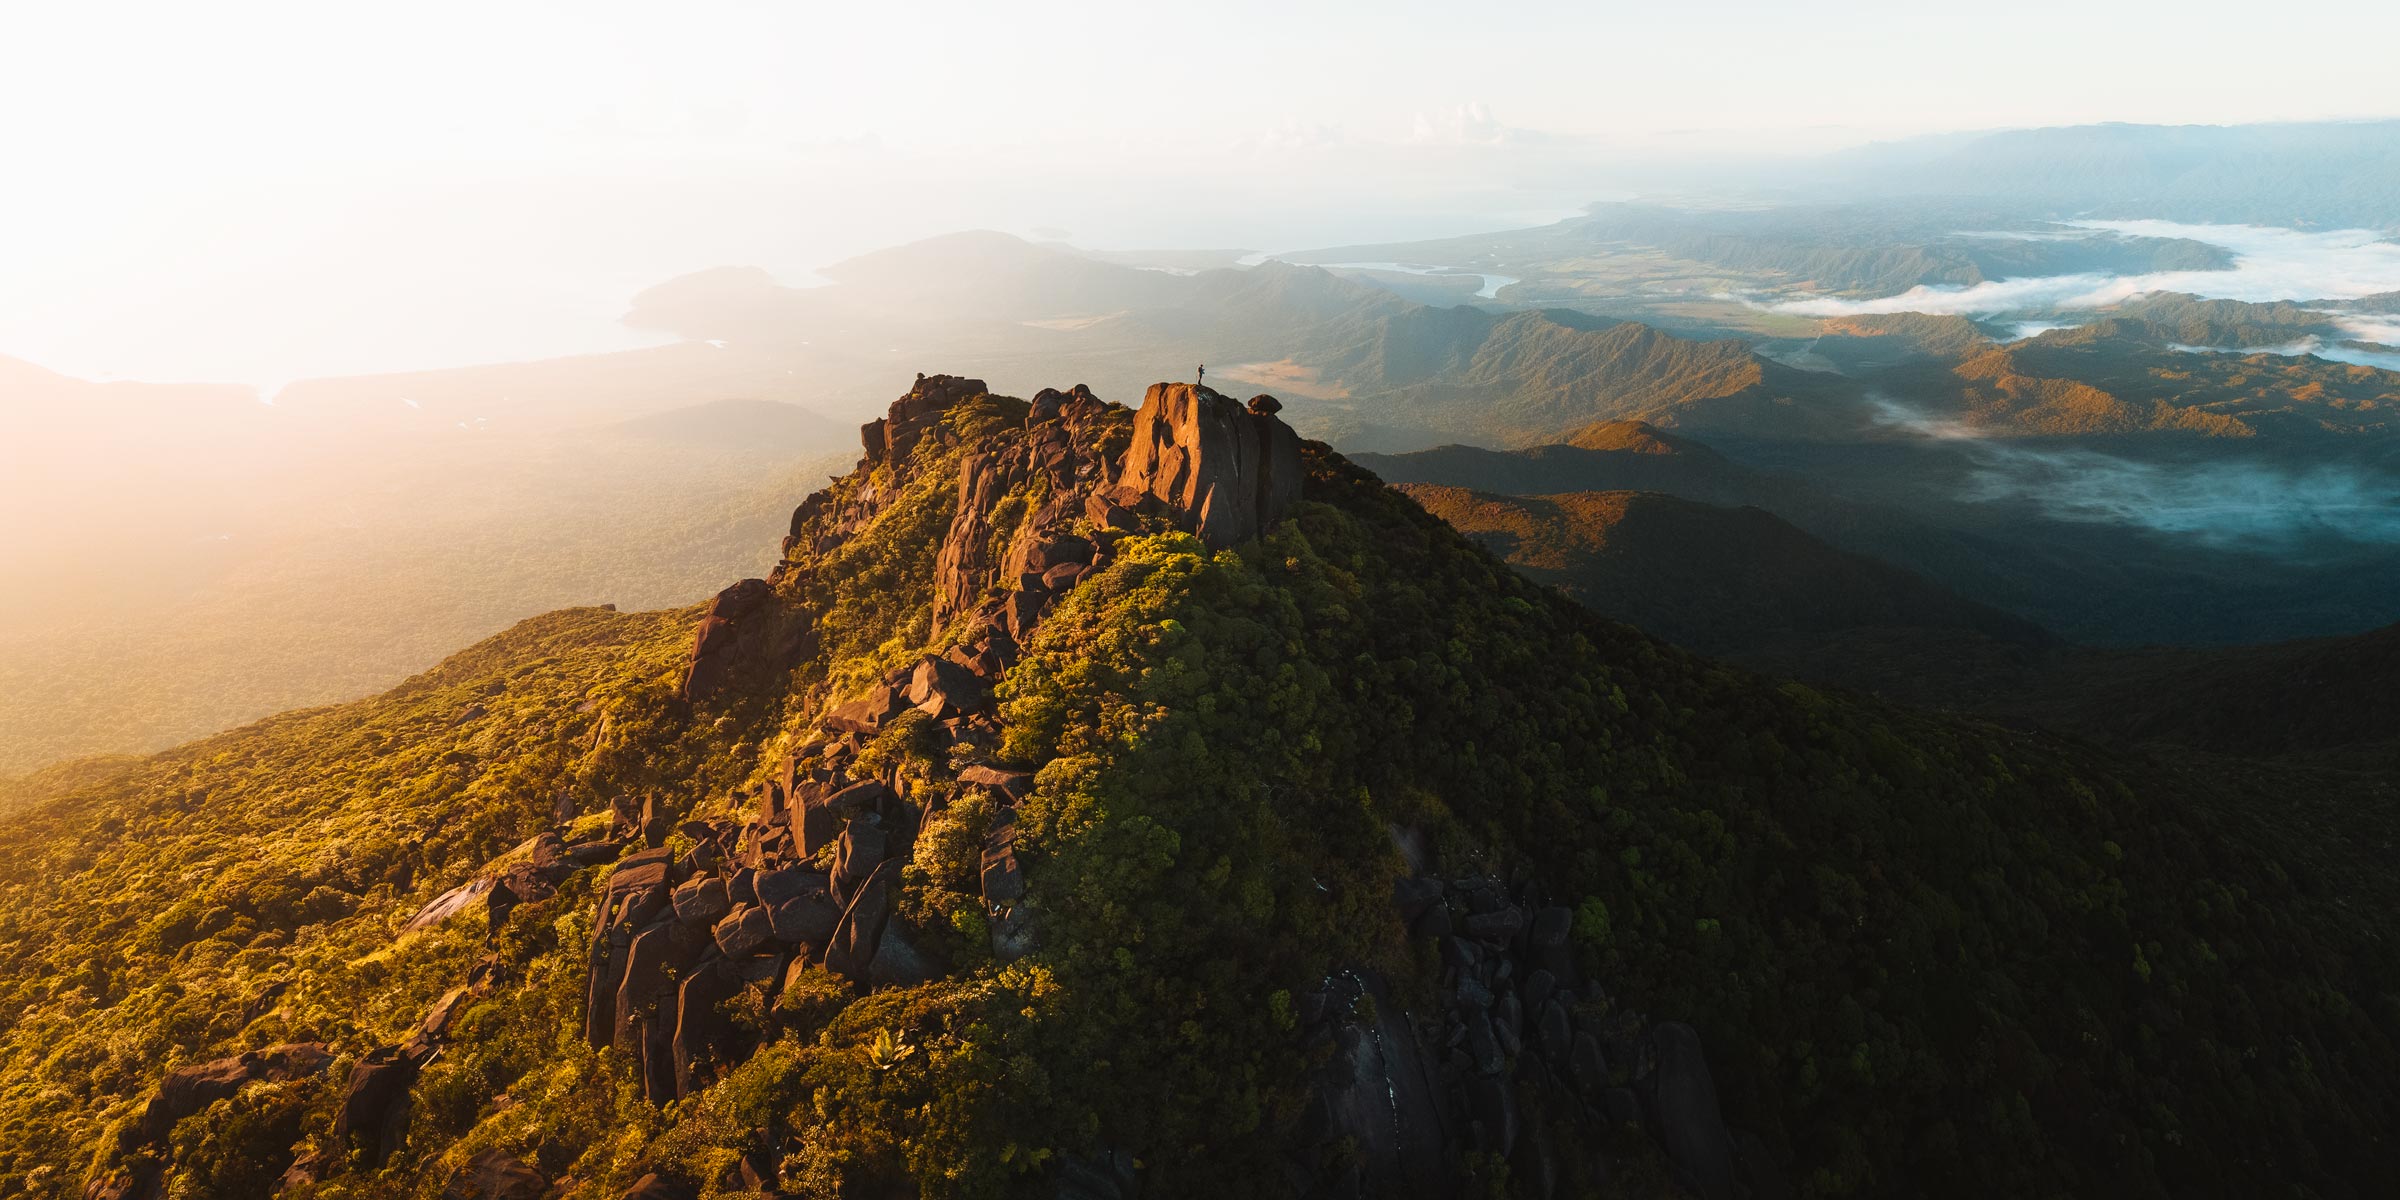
(1401, 1099)
(675, 936)
(1230, 471)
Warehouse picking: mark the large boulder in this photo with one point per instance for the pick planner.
(1015, 785)
(648, 974)
(1003, 879)
(899, 962)
(703, 900)
(808, 919)
(1228, 472)
(637, 894)
(430, 1033)
(373, 1116)
(702, 1030)
(814, 825)
(1039, 553)
(745, 932)
(860, 933)
(722, 633)
(775, 887)
(863, 847)
(867, 713)
(1684, 1105)
(941, 688)
(193, 1088)
(858, 799)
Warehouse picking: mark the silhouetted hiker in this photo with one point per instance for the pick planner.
(1200, 374)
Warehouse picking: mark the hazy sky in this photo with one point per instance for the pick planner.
(253, 191)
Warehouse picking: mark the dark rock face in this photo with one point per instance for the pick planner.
(940, 688)
(813, 825)
(1497, 928)
(1015, 785)
(745, 932)
(861, 850)
(1108, 1175)
(702, 901)
(373, 1117)
(717, 646)
(1227, 471)
(1493, 1104)
(807, 920)
(1757, 1169)
(1685, 1109)
(776, 886)
(899, 431)
(702, 1031)
(1515, 1068)
(867, 713)
(1003, 880)
(1378, 1093)
(193, 1088)
(860, 933)
(965, 567)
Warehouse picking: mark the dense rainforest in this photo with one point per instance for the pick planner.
(1096, 802)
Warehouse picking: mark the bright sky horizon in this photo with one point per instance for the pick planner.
(253, 191)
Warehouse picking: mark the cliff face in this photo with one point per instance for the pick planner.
(1231, 471)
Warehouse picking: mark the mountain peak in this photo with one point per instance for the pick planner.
(1083, 803)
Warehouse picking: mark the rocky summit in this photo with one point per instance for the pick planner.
(1100, 802)
(1397, 1106)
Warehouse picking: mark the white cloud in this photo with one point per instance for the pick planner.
(1462, 125)
(2270, 264)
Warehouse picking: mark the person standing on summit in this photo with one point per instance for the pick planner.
(1199, 374)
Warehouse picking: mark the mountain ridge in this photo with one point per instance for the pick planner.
(1103, 763)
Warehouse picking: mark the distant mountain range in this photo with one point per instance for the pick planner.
(1929, 442)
